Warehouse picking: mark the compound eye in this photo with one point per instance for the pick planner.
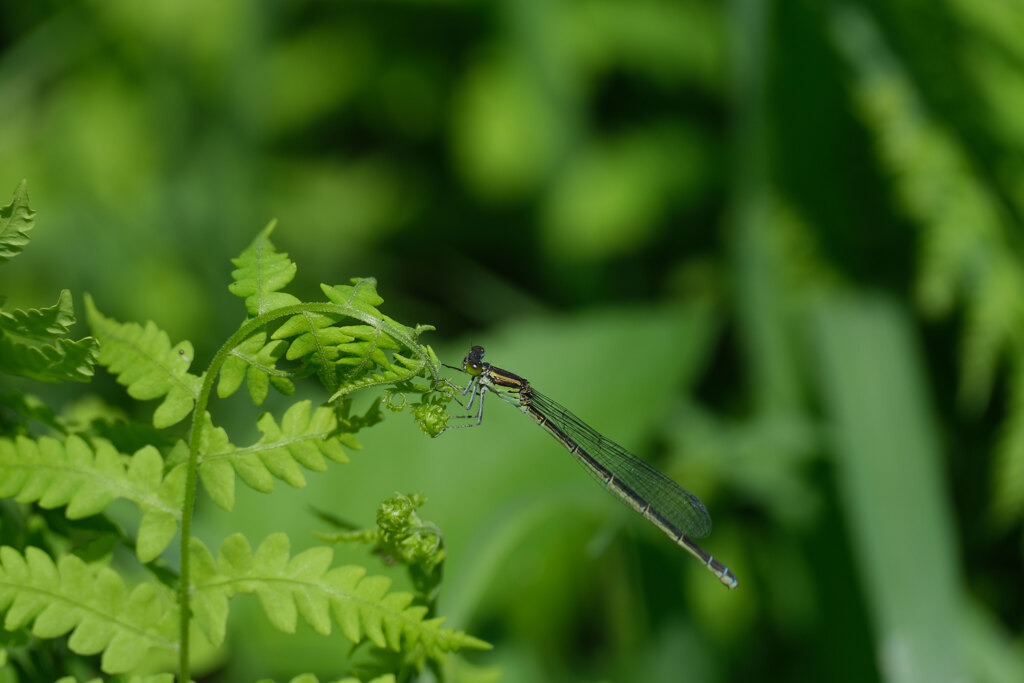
(473, 363)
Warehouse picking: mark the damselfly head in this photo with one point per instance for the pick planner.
(473, 363)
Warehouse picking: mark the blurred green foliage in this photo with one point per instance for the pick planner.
(773, 247)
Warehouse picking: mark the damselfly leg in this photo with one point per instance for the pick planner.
(473, 389)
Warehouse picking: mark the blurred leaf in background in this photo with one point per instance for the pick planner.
(773, 247)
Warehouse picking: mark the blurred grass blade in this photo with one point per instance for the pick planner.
(995, 655)
(887, 462)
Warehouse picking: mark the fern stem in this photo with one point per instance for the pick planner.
(188, 506)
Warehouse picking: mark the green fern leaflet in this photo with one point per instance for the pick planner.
(143, 360)
(306, 586)
(91, 602)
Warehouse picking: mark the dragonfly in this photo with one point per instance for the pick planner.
(677, 512)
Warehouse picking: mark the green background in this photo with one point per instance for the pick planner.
(773, 247)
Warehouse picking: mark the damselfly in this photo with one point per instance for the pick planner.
(666, 504)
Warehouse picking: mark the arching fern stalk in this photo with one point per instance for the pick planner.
(348, 344)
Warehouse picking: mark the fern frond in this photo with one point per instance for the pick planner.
(317, 339)
(404, 369)
(255, 361)
(86, 480)
(314, 344)
(359, 300)
(29, 408)
(944, 254)
(312, 678)
(32, 344)
(261, 272)
(380, 331)
(404, 537)
(90, 601)
(152, 678)
(144, 361)
(41, 322)
(16, 219)
(966, 249)
(368, 344)
(306, 586)
(361, 297)
(995, 313)
(361, 350)
(303, 438)
(1008, 468)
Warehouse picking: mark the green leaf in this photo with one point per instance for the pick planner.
(968, 241)
(261, 272)
(995, 312)
(92, 602)
(313, 343)
(361, 295)
(304, 438)
(361, 300)
(86, 480)
(1008, 468)
(356, 356)
(144, 361)
(16, 219)
(215, 467)
(322, 344)
(156, 531)
(255, 361)
(29, 407)
(305, 586)
(368, 342)
(32, 344)
(43, 322)
(400, 371)
(307, 438)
